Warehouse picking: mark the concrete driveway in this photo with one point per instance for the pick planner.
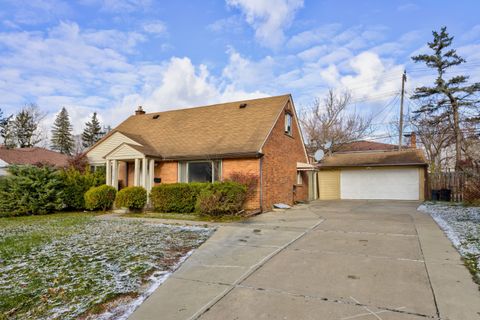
(327, 260)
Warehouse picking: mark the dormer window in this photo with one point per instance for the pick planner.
(288, 123)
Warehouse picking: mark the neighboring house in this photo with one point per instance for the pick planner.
(36, 155)
(371, 170)
(209, 143)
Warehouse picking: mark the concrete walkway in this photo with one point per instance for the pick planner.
(328, 260)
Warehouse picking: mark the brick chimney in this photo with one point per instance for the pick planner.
(139, 111)
(413, 140)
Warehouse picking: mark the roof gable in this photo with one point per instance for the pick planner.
(375, 158)
(221, 129)
(363, 145)
(123, 151)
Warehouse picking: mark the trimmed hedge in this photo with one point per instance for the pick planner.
(221, 198)
(100, 198)
(30, 190)
(133, 198)
(176, 197)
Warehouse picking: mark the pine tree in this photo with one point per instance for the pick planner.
(62, 138)
(447, 97)
(25, 126)
(92, 132)
(7, 132)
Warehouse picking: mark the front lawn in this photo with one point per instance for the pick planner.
(69, 266)
(462, 226)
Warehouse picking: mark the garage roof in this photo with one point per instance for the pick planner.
(407, 157)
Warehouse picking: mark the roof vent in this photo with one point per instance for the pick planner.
(243, 105)
(156, 116)
(139, 111)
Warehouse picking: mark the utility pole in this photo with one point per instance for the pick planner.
(400, 133)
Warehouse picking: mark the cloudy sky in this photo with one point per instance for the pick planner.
(111, 55)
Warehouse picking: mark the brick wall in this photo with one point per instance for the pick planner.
(246, 166)
(167, 171)
(281, 154)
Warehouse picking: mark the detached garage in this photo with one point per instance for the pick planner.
(395, 175)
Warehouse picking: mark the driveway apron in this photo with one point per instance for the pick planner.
(326, 260)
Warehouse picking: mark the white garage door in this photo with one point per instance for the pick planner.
(395, 184)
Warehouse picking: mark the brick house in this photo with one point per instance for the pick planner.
(209, 143)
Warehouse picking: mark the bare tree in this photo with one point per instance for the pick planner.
(435, 135)
(329, 124)
(453, 96)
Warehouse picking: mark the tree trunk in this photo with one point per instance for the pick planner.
(457, 132)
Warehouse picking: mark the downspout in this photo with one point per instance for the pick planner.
(261, 184)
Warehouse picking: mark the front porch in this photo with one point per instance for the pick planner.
(129, 162)
(130, 172)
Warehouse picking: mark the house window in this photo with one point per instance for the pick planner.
(200, 171)
(288, 123)
(299, 177)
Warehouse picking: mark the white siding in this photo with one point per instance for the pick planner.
(96, 154)
(393, 184)
(125, 152)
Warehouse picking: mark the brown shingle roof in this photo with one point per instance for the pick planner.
(220, 129)
(33, 156)
(375, 158)
(363, 145)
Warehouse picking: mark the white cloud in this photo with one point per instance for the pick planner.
(157, 27)
(231, 24)
(269, 18)
(314, 36)
(91, 70)
(34, 12)
(119, 6)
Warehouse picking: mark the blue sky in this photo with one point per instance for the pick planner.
(110, 56)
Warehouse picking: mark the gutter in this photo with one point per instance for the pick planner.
(235, 155)
(320, 167)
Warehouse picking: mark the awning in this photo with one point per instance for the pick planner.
(301, 166)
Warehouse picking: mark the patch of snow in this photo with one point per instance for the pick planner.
(94, 262)
(460, 224)
(281, 206)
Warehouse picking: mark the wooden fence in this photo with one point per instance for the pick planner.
(454, 181)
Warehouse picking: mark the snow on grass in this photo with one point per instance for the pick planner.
(462, 226)
(69, 267)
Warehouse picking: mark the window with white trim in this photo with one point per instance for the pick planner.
(199, 171)
(288, 123)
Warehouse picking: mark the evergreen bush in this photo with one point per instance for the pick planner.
(100, 198)
(221, 198)
(133, 198)
(176, 197)
(31, 190)
(76, 184)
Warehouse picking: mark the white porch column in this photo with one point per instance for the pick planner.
(108, 168)
(151, 174)
(145, 173)
(136, 177)
(115, 174)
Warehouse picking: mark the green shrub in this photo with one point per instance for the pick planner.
(76, 184)
(133, 198)
(100, 198)
(176, 197)
(221, 198)
(31, 190)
